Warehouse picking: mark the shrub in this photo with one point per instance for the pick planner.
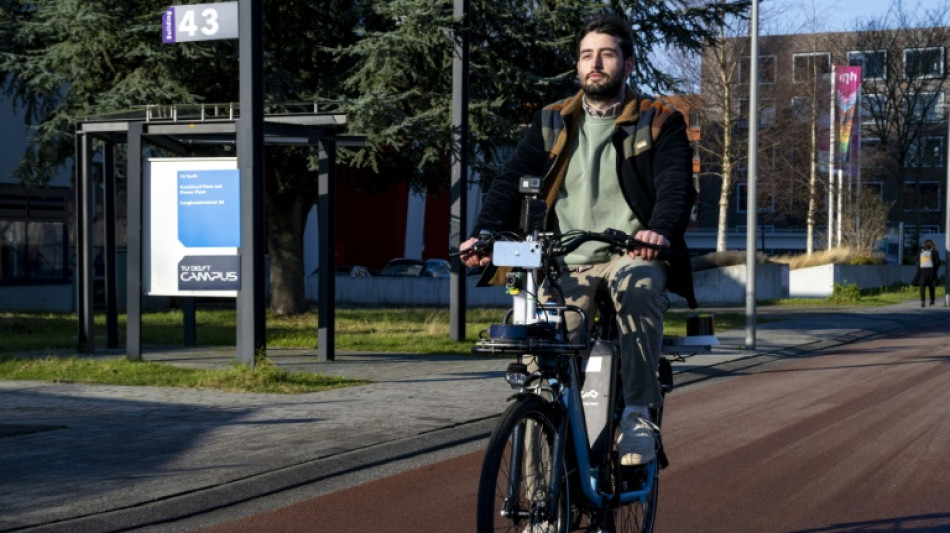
(724, 259)
(841, 255)
(845, 293)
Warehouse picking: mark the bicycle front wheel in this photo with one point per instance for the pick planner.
(515, 490)
(638, 516)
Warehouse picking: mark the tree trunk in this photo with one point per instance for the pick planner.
(812, 186)
(286, 217)
(727, 165)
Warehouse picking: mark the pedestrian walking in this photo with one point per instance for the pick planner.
(928, 262)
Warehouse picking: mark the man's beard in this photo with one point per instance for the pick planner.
(603, 91)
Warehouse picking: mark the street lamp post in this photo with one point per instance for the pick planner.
(946, 223)
(751, 199)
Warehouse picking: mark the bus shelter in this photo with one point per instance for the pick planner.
(169, 131)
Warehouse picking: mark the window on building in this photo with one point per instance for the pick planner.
(766, 69)
(33, 237)
(923, 107)
(766, 112)
(924, 62)
(801, 109)
(927, 193)
(873, 63)
(872, 108)
(810, 66)
(870, 141)
(925, 152)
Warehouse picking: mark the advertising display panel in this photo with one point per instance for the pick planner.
(192, 227)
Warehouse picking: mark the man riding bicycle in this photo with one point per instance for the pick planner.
(609, 158)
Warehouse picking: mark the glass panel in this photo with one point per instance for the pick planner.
(805, 67)
(872, 63)
(12, 250)
(31, 251)
(45, 250)
(923, 62)
(767, 70)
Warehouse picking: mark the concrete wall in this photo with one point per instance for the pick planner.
(720, 286)
(725, 286)
(819, 281)
(714, 287)
(407, 291)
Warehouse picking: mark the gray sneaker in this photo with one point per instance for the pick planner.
(637, 441)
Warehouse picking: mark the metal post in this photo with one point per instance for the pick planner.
(326, 247)
(189, 322)
(840, 192)
(459, 214)
(856, 165)
(133, 270)
(250, 148)
(751, 200)
(946, 224)
(87, 255)
(79, 269)
(831, 164)
(109, 216)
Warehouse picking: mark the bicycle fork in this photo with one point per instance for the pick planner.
(527, 454)
(510, 508)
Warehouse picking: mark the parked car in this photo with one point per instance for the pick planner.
(430, 268)
(354, 271)
(358, 271)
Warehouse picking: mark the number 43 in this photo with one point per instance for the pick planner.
(189, 26)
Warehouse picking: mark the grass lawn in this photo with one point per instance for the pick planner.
(404, 330)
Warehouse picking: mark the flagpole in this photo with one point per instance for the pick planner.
(831, 164)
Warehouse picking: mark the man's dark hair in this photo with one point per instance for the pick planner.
(609, 24)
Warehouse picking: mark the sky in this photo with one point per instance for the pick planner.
(841, 14)
(834, 15)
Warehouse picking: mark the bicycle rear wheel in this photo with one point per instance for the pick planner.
(515, 485)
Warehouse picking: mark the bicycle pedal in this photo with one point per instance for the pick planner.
(632, 477)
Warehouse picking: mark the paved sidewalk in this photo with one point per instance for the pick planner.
(110, 458)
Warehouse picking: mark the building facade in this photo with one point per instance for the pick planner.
(35, 252)
(894, 171)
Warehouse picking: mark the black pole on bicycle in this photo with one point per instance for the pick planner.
(533, 208)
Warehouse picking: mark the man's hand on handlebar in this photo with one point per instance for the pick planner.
(471, 258)
(649, 237)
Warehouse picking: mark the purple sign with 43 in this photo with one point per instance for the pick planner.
(200, 22)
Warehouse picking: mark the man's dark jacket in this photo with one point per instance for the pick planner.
(654, 165)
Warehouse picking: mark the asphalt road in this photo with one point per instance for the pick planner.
(854, 439)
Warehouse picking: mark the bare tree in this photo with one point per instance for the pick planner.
(788, 144)
(904, 84)
(873, 222)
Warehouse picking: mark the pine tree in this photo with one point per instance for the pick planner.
(398, 84)
(62, 61)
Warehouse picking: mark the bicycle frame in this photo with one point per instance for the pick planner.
(526, 310)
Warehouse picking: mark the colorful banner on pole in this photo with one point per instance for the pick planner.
(847, 89)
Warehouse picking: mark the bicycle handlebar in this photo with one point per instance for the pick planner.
(618, 241)
(564, 244)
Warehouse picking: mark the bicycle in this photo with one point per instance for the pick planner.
(551, 462)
